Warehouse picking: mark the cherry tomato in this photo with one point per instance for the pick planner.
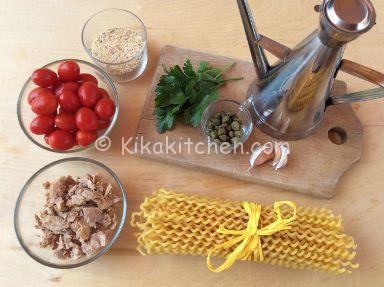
(86, 119)
(44, 77)
(87, 78)
(69, 102)
(43, 124)
(103, 124)
(36, 92)
(67, 87)
(68, 71)
(52, 89)
(84, 138)
(103, 93)
(66, 121)
(105, 109)
(46, 139)
(88, 94)
(44, 104)
(61, 140)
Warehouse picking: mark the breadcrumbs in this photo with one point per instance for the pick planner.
(116, 46)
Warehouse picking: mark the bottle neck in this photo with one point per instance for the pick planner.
(332, 37)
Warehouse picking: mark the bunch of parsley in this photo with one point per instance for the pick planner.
(186, 93)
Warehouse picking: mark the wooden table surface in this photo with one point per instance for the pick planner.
(34, 33)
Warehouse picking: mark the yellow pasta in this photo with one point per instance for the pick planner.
(177, 223)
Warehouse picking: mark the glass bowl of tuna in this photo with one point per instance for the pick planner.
(70, 212)
(68, 106)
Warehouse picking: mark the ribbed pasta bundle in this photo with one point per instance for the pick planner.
(177, 223)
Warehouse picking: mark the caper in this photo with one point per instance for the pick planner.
(225, 119)
(215, 122)
(213, 134)
(231, 134)
(238, 133)
(235, 125)
(216, 115)
(223, 138)
(217, 141)
(221, 131)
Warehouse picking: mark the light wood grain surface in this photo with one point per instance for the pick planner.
(36, 32)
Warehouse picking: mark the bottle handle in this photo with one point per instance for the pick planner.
(364, 73)
(275, 48)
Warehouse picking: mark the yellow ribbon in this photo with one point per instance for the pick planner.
(250, 237)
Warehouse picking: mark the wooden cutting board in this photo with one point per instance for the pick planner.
(315, 164)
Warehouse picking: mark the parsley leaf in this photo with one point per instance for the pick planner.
(186, 92)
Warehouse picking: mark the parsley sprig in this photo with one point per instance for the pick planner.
(187, 93)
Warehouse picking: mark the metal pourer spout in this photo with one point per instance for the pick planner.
(258, 56)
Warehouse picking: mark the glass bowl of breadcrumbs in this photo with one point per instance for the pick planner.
(116, 41)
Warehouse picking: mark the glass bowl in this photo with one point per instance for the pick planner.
(228, 106)
(25, 114)
(131, 67)
(31, 201)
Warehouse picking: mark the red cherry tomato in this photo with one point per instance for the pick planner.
(103, 124)
(44, 77)
(103, 93)
(86, 119)
(46, 139)
(44, 104)
(37, 92)
(52, 89)
(43, 124)
(88, 94)
(66, 121)
(87, 78)
(68, 71)
(84, 138)
(67, 87)
(69, 102)
(61, 140)
(105, 109)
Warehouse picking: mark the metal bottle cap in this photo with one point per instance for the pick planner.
(350, 16)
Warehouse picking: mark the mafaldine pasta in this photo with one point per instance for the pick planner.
(283, 234)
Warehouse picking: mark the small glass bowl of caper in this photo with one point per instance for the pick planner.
(225, 122)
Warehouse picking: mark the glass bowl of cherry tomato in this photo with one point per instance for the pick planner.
(67, 105)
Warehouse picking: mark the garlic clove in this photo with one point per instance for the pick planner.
(281, 156)
(261, 155)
